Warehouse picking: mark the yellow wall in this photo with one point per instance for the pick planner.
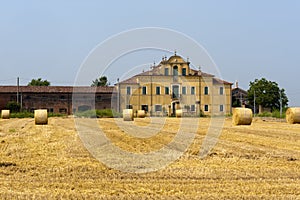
(157, 78)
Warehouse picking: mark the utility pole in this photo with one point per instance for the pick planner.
(151, 91)
(18, 87)
(280, 104)
(119, 91)
(254, 103)
(199, 74)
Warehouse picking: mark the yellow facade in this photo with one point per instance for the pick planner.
(173, 85)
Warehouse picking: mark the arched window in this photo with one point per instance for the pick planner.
(175, 71)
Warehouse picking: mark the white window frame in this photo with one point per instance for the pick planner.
(207, 90)
(221, 89)
(194, 90)
(156, 90)
(183, 92)
(222, 106)
(128, 87)
(160, 108)
(143, 90)
(206, 105)
(193, 110)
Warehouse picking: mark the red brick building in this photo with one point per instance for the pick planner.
(57, 99)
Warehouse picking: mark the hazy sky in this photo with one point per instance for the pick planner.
(246, 39)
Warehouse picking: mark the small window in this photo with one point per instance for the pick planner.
(158, 108)
(183, 71)
(167, 90)
(166, 71)
(158, 90)
(51, 110)
(221, 108)
(62, 97)
(192, 90)
(63, 110)
(206, 108)
(145, 108)
(184, 90)
(221, 90)
(144, 90)
(128, 106)
(128, 90)
(193, 108)
(206, 90)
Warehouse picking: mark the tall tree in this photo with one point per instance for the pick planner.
(102, 81)
(267, 94)
(39, 82)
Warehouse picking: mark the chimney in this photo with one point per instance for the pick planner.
(236, 84)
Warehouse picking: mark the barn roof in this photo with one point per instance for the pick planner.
(56, 89)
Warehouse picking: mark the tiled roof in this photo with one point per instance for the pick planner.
(216, 80)
(237, 89)
(56, 89)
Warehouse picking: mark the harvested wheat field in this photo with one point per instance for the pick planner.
(260, 161)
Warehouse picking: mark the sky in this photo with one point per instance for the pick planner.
(245, 39)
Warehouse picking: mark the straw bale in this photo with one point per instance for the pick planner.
(128, 115)
(242, 116)
(5, 114)
(41, 116)
(293, 115)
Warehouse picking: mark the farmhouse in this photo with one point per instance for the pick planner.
(57, 99)
(173, 85)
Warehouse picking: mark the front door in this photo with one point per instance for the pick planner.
(173, 109)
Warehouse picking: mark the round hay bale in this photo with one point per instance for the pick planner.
(293, 115)
(179, 113)
(141, 114)
(5, 114)
(242, 116)
(41, 116)
(128, 115)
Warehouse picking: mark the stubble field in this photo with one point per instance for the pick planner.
(261, 161)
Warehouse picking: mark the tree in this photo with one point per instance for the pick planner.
(13, 106)
(102, 81)
(38, 82)
(267, 94)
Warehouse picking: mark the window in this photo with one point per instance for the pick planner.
(145, 108)
(183, 71)
(166, 71)
(51, 110)
(175, 91)
(144, 90)
(128, 106)
(193, 108)
(206, 90)
(175, 71)
(128, 90)
(206, 108)
(167, 90)
(62, 110)
(221, 90)
(221, 108)
(183, 90)
(62, 97)
(99, 98)
(192, 90)
(158, 108)
(158, 90)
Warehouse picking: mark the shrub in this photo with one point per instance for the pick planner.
(105, 113)
(13, 106)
